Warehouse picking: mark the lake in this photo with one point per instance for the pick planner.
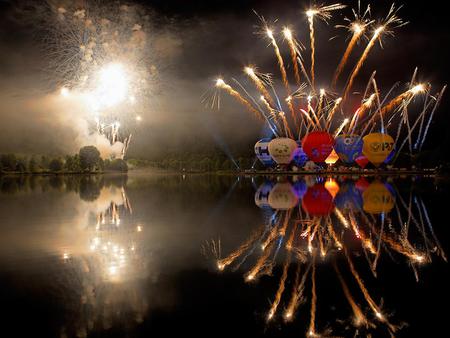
(207, 255)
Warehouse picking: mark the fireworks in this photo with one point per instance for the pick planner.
(99, 53)
(326, 234)
(306, 108)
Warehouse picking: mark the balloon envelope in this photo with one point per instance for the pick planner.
(317, 201)
(332, 158)
(377, 199)
(282, 149)
(299, 157)
(348, 147)
(300, 188)
(318, 145)
(262, 152)
(332, 186)
(282, 197)
(262, 194)
(362, 161)
(377, 147)
(348, 197)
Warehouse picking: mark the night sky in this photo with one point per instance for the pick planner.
(195, 42)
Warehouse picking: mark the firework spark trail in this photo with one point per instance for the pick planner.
(404, 98)
(311, 122)
(281, 287)
(282, 71)
(430, 226)
(221, 84)
(272, 234)
(313, 49)
(312, 112)
(360, 63)
(333, 234)
(422, 120)
(377, 254)
(341, 127)
(312, 328)
(272, 112)
(297, 293)
(332, 112)
(259, 264)
(366, 242)
(312, 235)
(377, 97)
(293, 50)
(304, 72)
(438, 100)
(359, 317)
(341, 217)
(323, 251)
(320, 104)
(259, 84)
(223, 263)
(269, 123)
(366, 294)
(358, 32)
(323, 13)
(360, 112)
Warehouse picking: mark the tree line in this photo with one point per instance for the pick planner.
(87, 160)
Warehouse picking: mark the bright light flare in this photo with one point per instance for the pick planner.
(64, 91)
(112, 85)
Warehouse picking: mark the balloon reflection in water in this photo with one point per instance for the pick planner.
(358, 219)
(107, 273)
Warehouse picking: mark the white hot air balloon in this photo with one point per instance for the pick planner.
(282, 150)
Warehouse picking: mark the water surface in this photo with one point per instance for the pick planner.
(114, 256)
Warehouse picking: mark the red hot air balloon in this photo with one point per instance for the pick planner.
(317, 201)
(362, 161)
(318, 145)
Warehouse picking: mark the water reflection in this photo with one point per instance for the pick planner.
(347, 225)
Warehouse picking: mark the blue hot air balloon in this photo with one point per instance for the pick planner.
(300, 188)
(262, 194)
(348, 147)
(348, 197)
(262, 152)
(299, 157)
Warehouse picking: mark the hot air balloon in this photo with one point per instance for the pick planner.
(262, 152)
(317, 201)
(362, 161)
(299, 157)
(282, 150)
(282, 197)
(377, 147)
(300, 188)
(377, 199)
(262, 194)
(348, 147)
(362, 184)
(318, 145)
(349, 197)
(332, 158)
(332, 187)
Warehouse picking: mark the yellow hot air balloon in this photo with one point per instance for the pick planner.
(377, 199)
(377, 147)
(332, 158)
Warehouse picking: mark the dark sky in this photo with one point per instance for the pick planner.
(200, 40)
